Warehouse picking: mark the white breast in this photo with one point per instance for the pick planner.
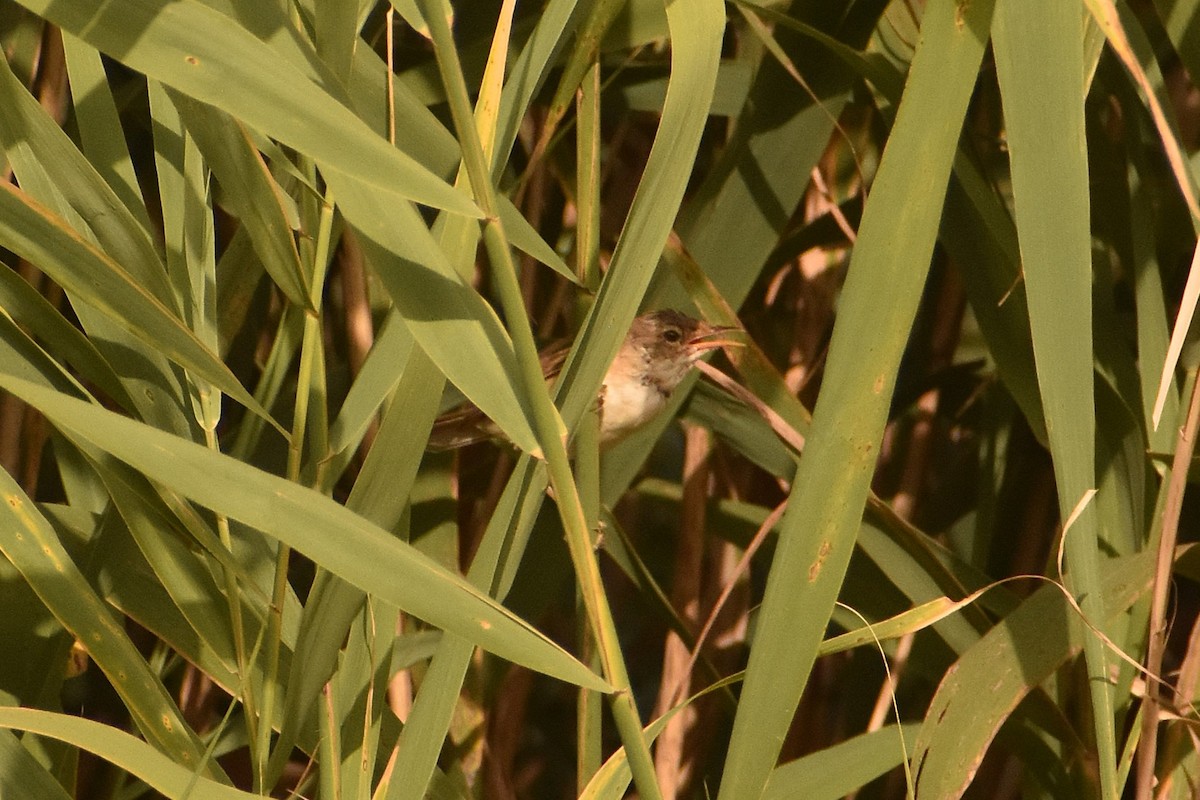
(627, 406)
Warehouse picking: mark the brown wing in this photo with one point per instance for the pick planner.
(553, 358)
(460, 427)
(466, 424)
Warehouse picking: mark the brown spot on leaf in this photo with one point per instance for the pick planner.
(823, 553)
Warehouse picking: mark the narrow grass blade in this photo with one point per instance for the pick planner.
(22, 357)
(555, 24)
(735, 219)
(426, 139)
(1152, 338)
(129, 584)
(381, 493)
(375, 382)
(189, 237)
(62, 340)
(979, 234)
(186, 579)
(612, 780)
(695, 58)
(495, 563)
(1039, 61)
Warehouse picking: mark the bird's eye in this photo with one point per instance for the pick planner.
(672, 335)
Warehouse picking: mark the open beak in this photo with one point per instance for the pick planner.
(710, 337)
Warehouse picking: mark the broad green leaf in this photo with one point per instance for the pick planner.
(729, 93)
(286, 33)
(334, 537)
(158, 38)
(842, 769)
(1013, 659)
(426, 139)
(462, 335)
(336, 33)
(742, 427)
(30, 629)
(894, 247)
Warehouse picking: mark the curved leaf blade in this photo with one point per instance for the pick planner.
(127, 752)
(328, 533)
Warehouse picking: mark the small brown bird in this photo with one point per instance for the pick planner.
(654, 358)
